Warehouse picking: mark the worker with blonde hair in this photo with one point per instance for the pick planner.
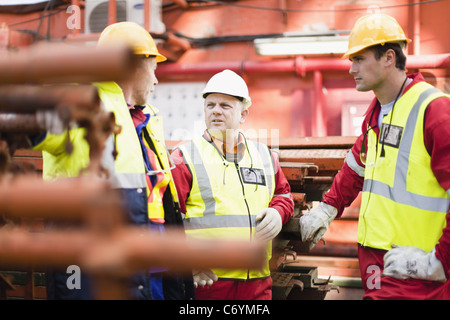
(401, 164)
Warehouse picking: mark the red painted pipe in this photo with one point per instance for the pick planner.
(112, 12)
(147, 10)
(298, 65)
(320, 127)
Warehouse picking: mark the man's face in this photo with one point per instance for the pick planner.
(144, 80)
(223, 112)
(366, 70)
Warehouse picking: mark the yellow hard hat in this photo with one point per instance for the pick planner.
(373, 29)
(133, 35)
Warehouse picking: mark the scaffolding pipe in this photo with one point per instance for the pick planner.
(104, 246)
(62, 63)
(29, 98)
(24, 123)
(124, 251)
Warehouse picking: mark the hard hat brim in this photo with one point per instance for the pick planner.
(360, 48)
(160, 58)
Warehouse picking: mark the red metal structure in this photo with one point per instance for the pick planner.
(311, 91)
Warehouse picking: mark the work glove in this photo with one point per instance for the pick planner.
(314, 223)
(410, 262)
(204, 277)
(50, 121)
(268, 224)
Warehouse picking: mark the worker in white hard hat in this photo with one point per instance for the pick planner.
(400, 164)
(230, 188)
(141, 169)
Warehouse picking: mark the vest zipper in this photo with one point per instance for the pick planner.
(248, 209)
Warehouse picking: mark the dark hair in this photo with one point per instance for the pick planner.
(380, 50)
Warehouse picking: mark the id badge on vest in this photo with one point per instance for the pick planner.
(253, 176)
(391, 135)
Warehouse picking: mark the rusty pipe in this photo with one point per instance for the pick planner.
(299, 199)
(30, 98)
(63, 199)
(124, 251)
(174, 251)
(62, 63)
(23, 123)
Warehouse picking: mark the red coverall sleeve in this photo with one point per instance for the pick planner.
(348, 182)
(282, 199)
(182, 178)
(437, 142)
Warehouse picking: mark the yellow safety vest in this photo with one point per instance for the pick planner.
(128, 170)
(225, 197)
(402, 202)
(56, 162)
(161, 163)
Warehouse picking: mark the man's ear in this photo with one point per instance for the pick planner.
(390, 57)
(244, 115)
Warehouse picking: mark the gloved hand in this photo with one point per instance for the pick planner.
(410, 262)
(269, 224)
(50, 121)
(314, 223)
(204, 277)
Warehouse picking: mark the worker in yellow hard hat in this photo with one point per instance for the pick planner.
(400, 163)
(142, 168)
(133, 35)
(372, 30)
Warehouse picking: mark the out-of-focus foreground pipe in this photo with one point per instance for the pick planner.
(62, 63)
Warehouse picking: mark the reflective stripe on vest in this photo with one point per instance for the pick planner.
(209, 218)
(395, 209)
(351, 162)
(221, 205)
(161, 162)
(155, 187)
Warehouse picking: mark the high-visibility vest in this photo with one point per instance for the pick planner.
(56, 162)
(225, 196)
(128, 170)
(402, 202)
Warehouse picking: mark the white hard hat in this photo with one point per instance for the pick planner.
(228, 82)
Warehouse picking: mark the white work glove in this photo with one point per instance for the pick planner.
(269, 224)
(314, 223)
(205, 277)
(50, 121)
(410, 262)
